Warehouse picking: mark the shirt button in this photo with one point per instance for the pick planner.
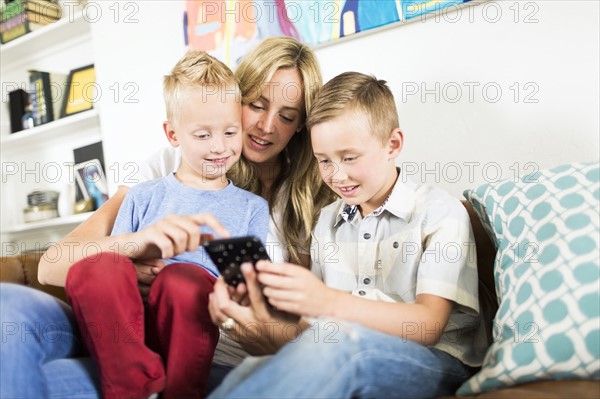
(367, 236)
(367, 281)
(362, 293)
(395, 244)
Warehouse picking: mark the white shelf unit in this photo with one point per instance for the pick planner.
(41, 158)
(70, 220)
(54, 130)
(49, 36)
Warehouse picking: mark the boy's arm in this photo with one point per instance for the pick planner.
(444, 280)
(294, 289)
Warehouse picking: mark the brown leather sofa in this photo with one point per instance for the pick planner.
(22, 269)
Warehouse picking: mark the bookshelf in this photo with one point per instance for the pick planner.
(41, 158)
(71, 26)
(66, 221)
(55, 130)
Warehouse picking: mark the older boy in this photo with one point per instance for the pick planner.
(203, 106)
(395, 282)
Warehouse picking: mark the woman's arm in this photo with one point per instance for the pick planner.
(164, 239)
(90, 237)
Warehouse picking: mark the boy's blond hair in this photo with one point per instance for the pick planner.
(357, 92)
(196, 68)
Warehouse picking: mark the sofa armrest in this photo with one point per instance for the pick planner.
(11, 270)
(23, 269)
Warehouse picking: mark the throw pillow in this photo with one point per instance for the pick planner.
(547, 272)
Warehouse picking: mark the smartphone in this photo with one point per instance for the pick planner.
(228, 254)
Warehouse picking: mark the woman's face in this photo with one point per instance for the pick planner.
(270, 122)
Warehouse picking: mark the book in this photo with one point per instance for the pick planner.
(13, 31)
(32, 19)
(37, 18)
(11, 24)
(58, 91)
(48, 9)
(11, 10)
(40, 93)
(18, 100)
(20, 24)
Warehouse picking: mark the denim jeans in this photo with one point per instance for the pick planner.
(335, 359)
(40, 353)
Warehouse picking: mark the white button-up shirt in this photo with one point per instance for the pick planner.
(418, 242)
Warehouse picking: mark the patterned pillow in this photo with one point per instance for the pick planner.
(547, 273)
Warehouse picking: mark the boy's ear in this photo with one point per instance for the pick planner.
(395, 142)
(170, 133)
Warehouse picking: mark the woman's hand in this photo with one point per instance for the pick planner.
(171, 236)
(295, 289)
(259, 329)
(147, 270)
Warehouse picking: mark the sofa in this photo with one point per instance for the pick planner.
(23, 270)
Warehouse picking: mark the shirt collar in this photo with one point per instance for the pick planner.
(400, 202)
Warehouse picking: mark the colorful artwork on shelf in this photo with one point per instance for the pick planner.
(228, 28)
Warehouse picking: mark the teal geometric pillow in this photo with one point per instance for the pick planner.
(547, 274)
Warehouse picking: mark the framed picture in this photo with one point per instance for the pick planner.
(80, 91)
(84, 154)
(92, 182)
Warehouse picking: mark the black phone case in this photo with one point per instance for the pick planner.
(228, 254)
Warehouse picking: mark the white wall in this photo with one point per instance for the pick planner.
(132, 56)
(553, 60)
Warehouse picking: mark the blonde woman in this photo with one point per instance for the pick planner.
(278, 81)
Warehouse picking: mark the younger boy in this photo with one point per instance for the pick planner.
(203, 106)
(395, 280)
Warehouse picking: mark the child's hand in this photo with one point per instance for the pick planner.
(146, 271)
(259, 331)
(295, 289)
(172, 236)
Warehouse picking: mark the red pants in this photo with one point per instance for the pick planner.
(112, 318)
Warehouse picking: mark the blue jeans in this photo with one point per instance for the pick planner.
(335, 359)
(40, 353)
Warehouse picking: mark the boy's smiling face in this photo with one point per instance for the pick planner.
(208, 129)
(354, 162)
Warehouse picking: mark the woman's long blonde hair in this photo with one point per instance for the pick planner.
(307, 193)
